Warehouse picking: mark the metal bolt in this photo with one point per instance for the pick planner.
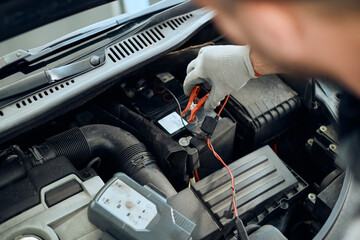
(310, 141)
(18, 54)
(312, 197)
(95, 60)
(284, 204)
(184, 141)
(323, 128)
(332, 147)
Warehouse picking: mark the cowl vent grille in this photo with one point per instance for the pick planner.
(121, 57)
(145, 39)
(43, 94)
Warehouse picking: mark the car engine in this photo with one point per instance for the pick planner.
(109, 155)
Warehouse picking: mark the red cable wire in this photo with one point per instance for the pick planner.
(231, 176)
(227, 98)
(196, 175)
(275, 148)
(223, 163)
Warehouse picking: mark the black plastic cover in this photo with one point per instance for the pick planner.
(262, 182)
(326, 199)
(189, 205)
(62, 192)
(263, 108)
(325, 156)
(24, 194)
(222, 140)
(209, 125)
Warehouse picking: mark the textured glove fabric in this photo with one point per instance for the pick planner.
(225, 68)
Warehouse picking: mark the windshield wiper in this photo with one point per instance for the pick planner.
(34, 54)
(50, 76)
(38, 53)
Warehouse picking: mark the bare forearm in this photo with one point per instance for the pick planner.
(262, 65)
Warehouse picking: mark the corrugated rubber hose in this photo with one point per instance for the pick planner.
(121, 149)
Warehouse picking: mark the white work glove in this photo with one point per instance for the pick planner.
(225, 68)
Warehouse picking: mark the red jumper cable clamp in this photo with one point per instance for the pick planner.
(193, 105)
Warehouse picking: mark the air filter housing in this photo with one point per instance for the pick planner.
(264, 108)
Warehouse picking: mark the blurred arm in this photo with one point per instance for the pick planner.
(262, 65)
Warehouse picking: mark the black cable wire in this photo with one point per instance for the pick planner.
(179, 106)
(96, 161)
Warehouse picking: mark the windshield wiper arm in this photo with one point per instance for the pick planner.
(34, 54)
(50, 76)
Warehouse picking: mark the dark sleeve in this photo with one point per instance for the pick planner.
(349, 132)
(349, 115)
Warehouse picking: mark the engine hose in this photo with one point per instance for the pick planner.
(119, 148)
(172, 157)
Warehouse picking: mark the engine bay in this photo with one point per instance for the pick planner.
(282, 152)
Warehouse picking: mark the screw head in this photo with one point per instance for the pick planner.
(310, 141)
(18, 54)
(184, 141)
(333, 147)
(95, 60)
(284, 204)
(323, 128)
(312, 197)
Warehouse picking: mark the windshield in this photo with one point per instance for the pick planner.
(54, 30)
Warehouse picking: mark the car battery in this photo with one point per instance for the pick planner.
(151, 95)
(153, 98)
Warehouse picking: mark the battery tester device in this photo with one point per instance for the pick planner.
(126, 210)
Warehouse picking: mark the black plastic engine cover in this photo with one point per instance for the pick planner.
(25, 193)
(262, 182)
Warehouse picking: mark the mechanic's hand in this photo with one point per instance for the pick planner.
(225, 68)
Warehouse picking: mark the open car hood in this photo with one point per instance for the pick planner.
(19, 16)
(135, 47)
